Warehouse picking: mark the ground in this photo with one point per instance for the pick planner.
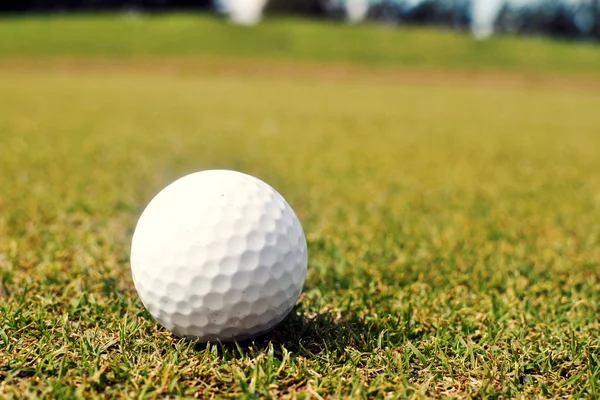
(451, 205)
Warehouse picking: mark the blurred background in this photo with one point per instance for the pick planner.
(560, 18)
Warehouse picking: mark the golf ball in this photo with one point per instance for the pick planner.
(218, 255)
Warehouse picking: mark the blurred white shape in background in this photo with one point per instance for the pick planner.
(583, 11)
(242, 12)
(356, 10)
(483, 17)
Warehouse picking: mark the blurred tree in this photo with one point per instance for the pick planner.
(596, 30)
(65, 5)
(307, 7)
(594, 7)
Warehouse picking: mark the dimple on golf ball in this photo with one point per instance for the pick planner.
(218, 255)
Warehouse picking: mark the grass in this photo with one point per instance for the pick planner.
(453, 227)
(192, 35)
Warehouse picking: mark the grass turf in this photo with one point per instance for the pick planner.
(190, 35)
(453, 228)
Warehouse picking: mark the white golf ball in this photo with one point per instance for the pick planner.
(218, 255)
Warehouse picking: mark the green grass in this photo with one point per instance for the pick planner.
(192, 35)
(453, 230)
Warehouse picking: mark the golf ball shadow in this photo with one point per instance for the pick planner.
(304, 333)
